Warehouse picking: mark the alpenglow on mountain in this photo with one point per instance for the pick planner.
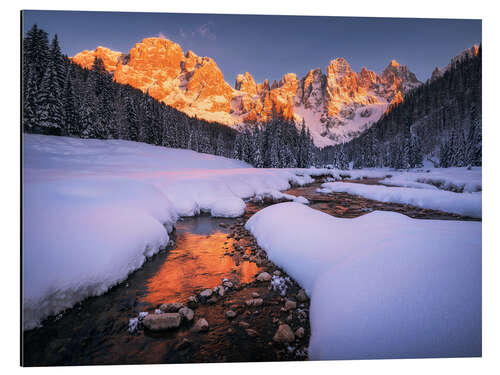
(337, 105)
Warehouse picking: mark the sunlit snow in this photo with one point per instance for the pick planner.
(382, 285)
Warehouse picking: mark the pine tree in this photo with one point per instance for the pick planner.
(474, 139)
(29, 103)
(58, 60)
(36, 53)
(50, 113)
(219, 146)
(444, 155)
(86, 117)
(70, 109)
(237, 148)
(133, 122)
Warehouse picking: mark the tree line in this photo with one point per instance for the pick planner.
(276, 144)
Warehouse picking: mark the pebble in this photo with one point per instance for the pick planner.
(192, 302)
(228, 284)
(290, 305)
(302, 314)
(243, 324)
(302, 296)
(201, 325)
(284, 334)
(277, 273)
(206, 293)
(264, 276)
(186, 313)
(161, 322)
(171, 307)
(300, 332)
(231, 314)
(254, 302)
(255, 295)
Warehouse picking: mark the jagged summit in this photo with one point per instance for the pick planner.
(186, 81)
(337, 104)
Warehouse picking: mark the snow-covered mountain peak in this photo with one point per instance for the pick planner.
(337, 105)
(110, 58)
(394, 63)
(246, 83)
(339, 67)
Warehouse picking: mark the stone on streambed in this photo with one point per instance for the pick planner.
(300, 332)
(254, 302)
(231, 314)
(243, 324)
(186, 314)
(192, 302)
(290, 305)
(201, 325)
(162, 322)
(228, 284)
(206, 293)
(302, 296)
(264, 276)
(284, 334)
(171, 307)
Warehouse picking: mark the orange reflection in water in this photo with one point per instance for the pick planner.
(197, 262)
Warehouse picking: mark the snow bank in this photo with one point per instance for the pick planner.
(94, 210)
(382, 285)
(229, 207)
(466, 204)
(454, 179)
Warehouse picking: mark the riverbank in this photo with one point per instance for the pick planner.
(96, 331)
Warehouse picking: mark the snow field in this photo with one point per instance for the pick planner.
(382, 285)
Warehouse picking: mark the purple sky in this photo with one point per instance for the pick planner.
(270, 46)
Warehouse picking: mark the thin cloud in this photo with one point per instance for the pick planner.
(204, 31)
(186, 34)
(161, 35)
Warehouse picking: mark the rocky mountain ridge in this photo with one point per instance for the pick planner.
(336, 105)
(467, 53)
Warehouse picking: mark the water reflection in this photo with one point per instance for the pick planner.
(197, 262)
